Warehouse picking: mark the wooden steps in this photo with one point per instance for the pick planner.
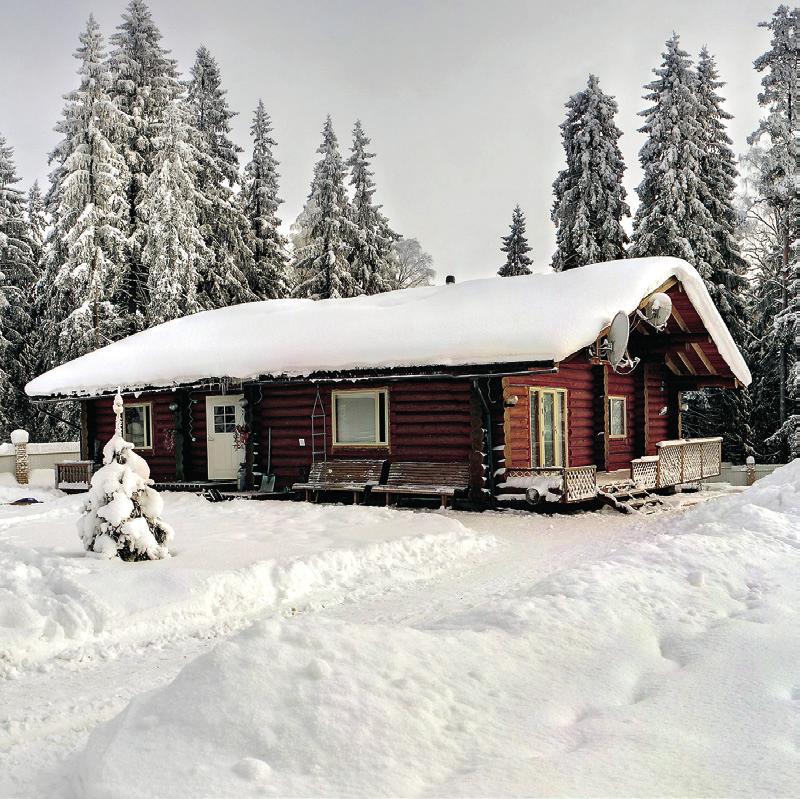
(628, 497)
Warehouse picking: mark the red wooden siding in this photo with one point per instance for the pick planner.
(658, 397)
(620, 451)
(161, 458)
(428, 421)
(578, 379)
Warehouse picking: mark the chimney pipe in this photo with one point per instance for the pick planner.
(450, 280)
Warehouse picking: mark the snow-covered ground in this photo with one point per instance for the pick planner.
(327, 650)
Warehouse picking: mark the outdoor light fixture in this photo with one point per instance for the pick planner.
(173, 406)
(243, 403)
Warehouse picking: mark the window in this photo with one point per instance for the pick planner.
(224, 418)
(548, 427)
(617, 417)
(138, 425)
(360, 418)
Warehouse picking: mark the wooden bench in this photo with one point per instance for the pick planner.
(441, 480)
(356, 476)
(74, 475)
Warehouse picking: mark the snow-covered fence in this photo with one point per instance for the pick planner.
(39, 455)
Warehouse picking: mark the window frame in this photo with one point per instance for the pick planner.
(373, 392)
(624, 400)
(563, 450)
(149, 428)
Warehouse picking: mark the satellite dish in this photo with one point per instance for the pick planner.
(618, 335)
(658, 310)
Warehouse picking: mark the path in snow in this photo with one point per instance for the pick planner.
(48, 712)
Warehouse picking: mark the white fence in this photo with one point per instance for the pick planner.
(737, 475)
(40, 456)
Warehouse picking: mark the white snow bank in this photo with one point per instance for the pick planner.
(40, 486)
(666, 668)
(43, 447)
(441, 326)
(232, 561)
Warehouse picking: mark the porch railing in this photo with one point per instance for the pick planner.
(679, 461)
(74, 474)
(577, 483)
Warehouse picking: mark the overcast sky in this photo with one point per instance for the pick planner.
(462, 100)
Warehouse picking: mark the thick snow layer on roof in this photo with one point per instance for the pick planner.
(496, 320)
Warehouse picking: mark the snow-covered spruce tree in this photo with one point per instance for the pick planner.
(17, 277)
(515, 246)
(37, 220)
(778, 168)
(716, 411)
(372, 237)
(672, 218)
(122, 513)
(321, 264)
(86, 245)
(174, 250)
(145, 82)
(589, 196)
(260, 200)
(223, 225)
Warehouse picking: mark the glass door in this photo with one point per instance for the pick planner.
(548, 427)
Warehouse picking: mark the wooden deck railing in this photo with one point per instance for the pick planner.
(684, 460)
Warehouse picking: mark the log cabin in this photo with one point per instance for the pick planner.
(526, 379)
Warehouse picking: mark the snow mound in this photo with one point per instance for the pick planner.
(665, 668)
(442, 326)
(238, 559)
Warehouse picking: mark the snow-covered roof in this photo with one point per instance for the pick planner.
(536, 318)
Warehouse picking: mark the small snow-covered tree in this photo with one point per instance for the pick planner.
(37, 220)
(17, 277)
(269, 274)
(778, 137)
(372, 237)
(515, 246)
(409, 265)
(223, 225)
(174, 250)
(321, 264)
(86, 246)
(122, 513)
(589, 196)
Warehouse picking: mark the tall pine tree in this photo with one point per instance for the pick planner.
(86, 246)
(672, 218)
(174, 250)
(16, 285)
(37, 220)
(779, 165)
(372, 237)
(589, 196)
(321, 263)
(715, 411)
(145, 83)
(516, 248)
(224, 278)
(268, 276)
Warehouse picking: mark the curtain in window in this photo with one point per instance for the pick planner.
(355, 419)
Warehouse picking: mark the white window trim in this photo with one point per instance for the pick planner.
(149, 429)
(362, 392)
(624, 401)
(564, 432)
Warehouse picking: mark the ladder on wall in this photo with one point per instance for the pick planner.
(319, 431)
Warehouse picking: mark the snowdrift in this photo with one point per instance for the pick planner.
(666, 668)
(234, 561)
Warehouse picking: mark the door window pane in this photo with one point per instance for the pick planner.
(224, 418)
(548, 429)
(548, 414)
(616, 417)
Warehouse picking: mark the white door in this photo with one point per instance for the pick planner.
(223, 414)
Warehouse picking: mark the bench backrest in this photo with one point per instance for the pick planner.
(446, 475)
(359, 472)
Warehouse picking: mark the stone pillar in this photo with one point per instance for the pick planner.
(19, 438)
(750, 463)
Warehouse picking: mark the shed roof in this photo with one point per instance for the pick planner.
(535, 318)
